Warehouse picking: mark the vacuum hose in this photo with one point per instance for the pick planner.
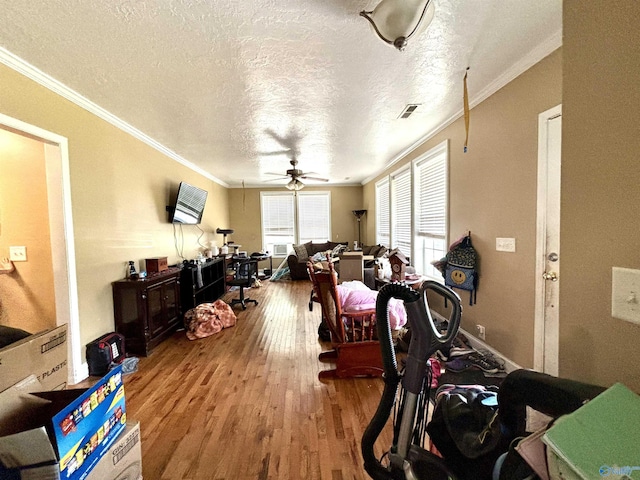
(391, 376)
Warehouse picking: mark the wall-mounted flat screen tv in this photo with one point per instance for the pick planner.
(189, 204)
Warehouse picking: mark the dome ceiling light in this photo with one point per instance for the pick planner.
(396, 21)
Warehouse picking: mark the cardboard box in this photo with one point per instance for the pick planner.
(155, 265)
(123, 461)
(43, 354)
(600, 439)
(64, 432)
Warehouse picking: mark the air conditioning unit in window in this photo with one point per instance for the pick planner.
(280, 250)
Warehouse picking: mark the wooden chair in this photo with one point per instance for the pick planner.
(355, 351)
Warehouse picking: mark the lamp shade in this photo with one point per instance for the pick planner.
(295, 185)
(396, 21)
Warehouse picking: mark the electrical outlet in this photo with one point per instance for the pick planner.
(481, 332)
(18, 254)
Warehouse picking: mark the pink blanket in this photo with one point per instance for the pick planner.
(353, 296)
(207, 319)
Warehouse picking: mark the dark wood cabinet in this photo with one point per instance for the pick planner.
(147, 310)
(202, 283)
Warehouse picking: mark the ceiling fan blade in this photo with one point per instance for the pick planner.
(274, 153)
(277, 179)
(272, 173)
(307, 177)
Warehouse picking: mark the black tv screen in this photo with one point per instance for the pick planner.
(189, 204)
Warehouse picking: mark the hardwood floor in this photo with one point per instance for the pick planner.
(247, 403)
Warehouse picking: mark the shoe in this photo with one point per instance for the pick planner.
(460, 351)
(458, 365)
(486, 363)
(441, 356)
(461, 341)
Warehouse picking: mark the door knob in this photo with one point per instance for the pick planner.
(553, 276)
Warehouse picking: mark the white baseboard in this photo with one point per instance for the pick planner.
(509, 365)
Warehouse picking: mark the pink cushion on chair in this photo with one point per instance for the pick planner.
(354, 300)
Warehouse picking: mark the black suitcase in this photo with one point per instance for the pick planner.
(104, 352)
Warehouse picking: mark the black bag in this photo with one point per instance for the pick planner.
(104, 352)
(466, 430)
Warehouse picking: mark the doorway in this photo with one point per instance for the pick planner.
(547, 284)
(56, 153)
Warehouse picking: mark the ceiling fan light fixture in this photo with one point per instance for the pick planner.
(295, 185)
(396, 21)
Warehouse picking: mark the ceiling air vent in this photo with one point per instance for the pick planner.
(408, 110)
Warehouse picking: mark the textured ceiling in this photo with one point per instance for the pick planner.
(237, 87)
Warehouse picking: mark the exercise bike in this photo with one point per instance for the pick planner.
(406, 394)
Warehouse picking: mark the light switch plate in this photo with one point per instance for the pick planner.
(18, 254)
(505, 244)
(625, 294)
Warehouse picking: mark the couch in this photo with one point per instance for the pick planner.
(376, 251)
(297, 261)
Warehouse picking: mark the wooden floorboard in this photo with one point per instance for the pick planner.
(246, 403)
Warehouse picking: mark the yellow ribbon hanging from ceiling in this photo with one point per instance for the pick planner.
(466, 111)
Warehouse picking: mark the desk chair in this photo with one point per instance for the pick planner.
(246, 274)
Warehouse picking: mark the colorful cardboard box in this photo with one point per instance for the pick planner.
(123, 460)
(43, 354)
(68, 429)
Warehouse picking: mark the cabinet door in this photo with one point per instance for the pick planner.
(171, 301)
(155, 309)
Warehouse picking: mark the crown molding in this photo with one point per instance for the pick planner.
(536, 55)
(21, 66)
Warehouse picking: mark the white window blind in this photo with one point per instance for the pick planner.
(433, 199)
(289, 219)
(401, 211)
(277, 221)
(314, 217)
(382, 213)
(431, 208)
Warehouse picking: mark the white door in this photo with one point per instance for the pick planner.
(546, 330)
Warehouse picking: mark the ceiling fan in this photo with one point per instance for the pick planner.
(296, 174)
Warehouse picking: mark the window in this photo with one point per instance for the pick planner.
(292, 218)
(277, 222)
(382, 213)
(431, 209)
(401, 211)
(313, 217)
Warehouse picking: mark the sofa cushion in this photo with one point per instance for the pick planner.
(320, 247)
(366, 249)
(338, 249)
(301, 252)
(375, 250)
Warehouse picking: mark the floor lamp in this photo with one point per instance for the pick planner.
(359, 214)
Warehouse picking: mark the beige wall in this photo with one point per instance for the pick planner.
(26, 295)
(119, 189)
(244, 214)
(493, 194)
(600, 217)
